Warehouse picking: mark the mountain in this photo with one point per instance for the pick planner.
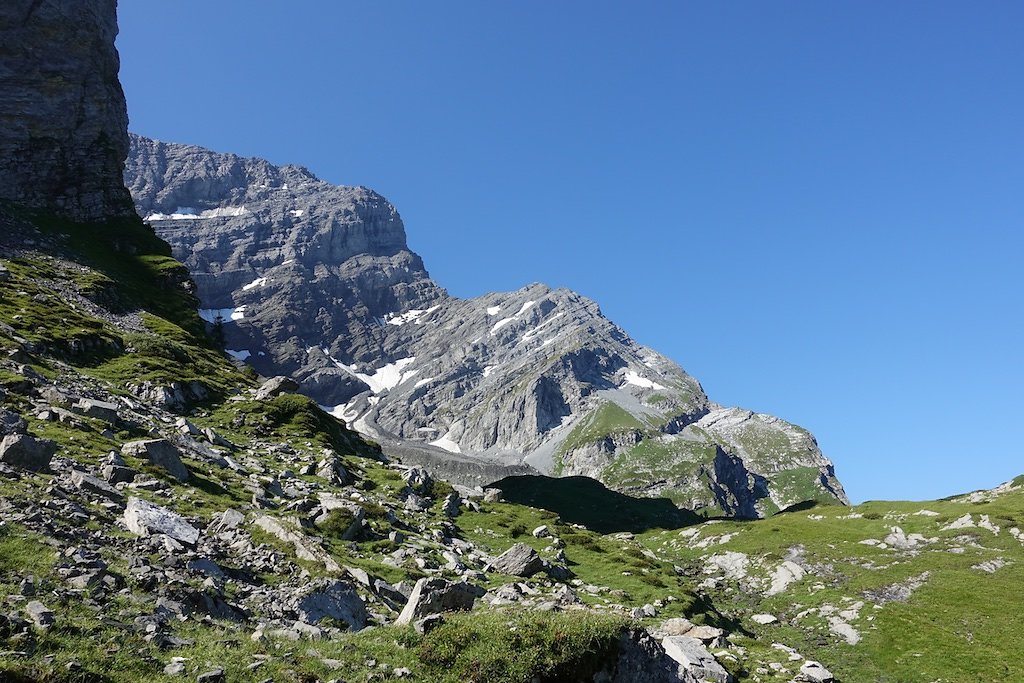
(164, 515)
(316, 281)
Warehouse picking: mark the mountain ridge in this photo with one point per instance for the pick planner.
(317, 282)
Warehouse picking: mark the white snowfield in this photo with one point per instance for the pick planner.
(634, 378)
(384, 378)
(188, 213)
(447, 444)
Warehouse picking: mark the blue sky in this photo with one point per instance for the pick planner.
(814, 207)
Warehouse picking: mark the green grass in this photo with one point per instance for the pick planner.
(288, 416)
(958, 627)
(652, 459)
(606, 420)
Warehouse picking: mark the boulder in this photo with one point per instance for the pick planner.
(275, 386)
(451, 506)
(101, 410)
(519, 560)
(11, 423)
(332, 469)
(419, 481)
(335, 600)
(434, 596)
(40, 615)
(27, 452)
(692, 654)
(814, 672)
(161, 453)
(641, 659)
(145, 519)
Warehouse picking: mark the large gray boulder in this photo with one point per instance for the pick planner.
(332, 599)
(814, 672)
(434, 596)
(519, 560)
(27, 452)
(691, 653)
(639, 658)
(161, 453)
(146, 519)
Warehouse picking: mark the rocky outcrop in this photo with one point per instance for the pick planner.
(316, 282)
(63, 121)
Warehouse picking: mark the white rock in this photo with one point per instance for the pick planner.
(764, 619)
(785, 574)
(144, 518)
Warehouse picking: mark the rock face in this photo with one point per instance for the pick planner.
(63, 121)
(316, 282)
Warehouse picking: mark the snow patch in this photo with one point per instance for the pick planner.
(188, 213)
(238, 355)
(410, 316)
(447, 444)
(500, 324)
(258, 282)
(525, 307)
(297, 213)
(634, 378)
(211, 315)
(493, 310)
(488, 370)
(422, 382)
(384, 378)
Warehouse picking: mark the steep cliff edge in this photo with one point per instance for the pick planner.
(63, 122)
(316, 281)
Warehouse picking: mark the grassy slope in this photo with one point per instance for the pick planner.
(960, 625)
(125, 269)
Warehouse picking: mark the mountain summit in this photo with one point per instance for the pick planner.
(317, 282)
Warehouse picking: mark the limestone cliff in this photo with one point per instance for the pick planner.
(63, 121)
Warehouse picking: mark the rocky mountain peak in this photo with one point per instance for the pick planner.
(316, 281)
(63, 119)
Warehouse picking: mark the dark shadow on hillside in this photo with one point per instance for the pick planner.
(581, 500)
(802, 506)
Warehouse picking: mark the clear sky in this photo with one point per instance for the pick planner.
(816, 208)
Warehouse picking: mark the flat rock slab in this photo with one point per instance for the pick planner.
(145, 519)
(95, 485)
(101, 410)
(27, 452)
(41, 616)
(306, 548)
